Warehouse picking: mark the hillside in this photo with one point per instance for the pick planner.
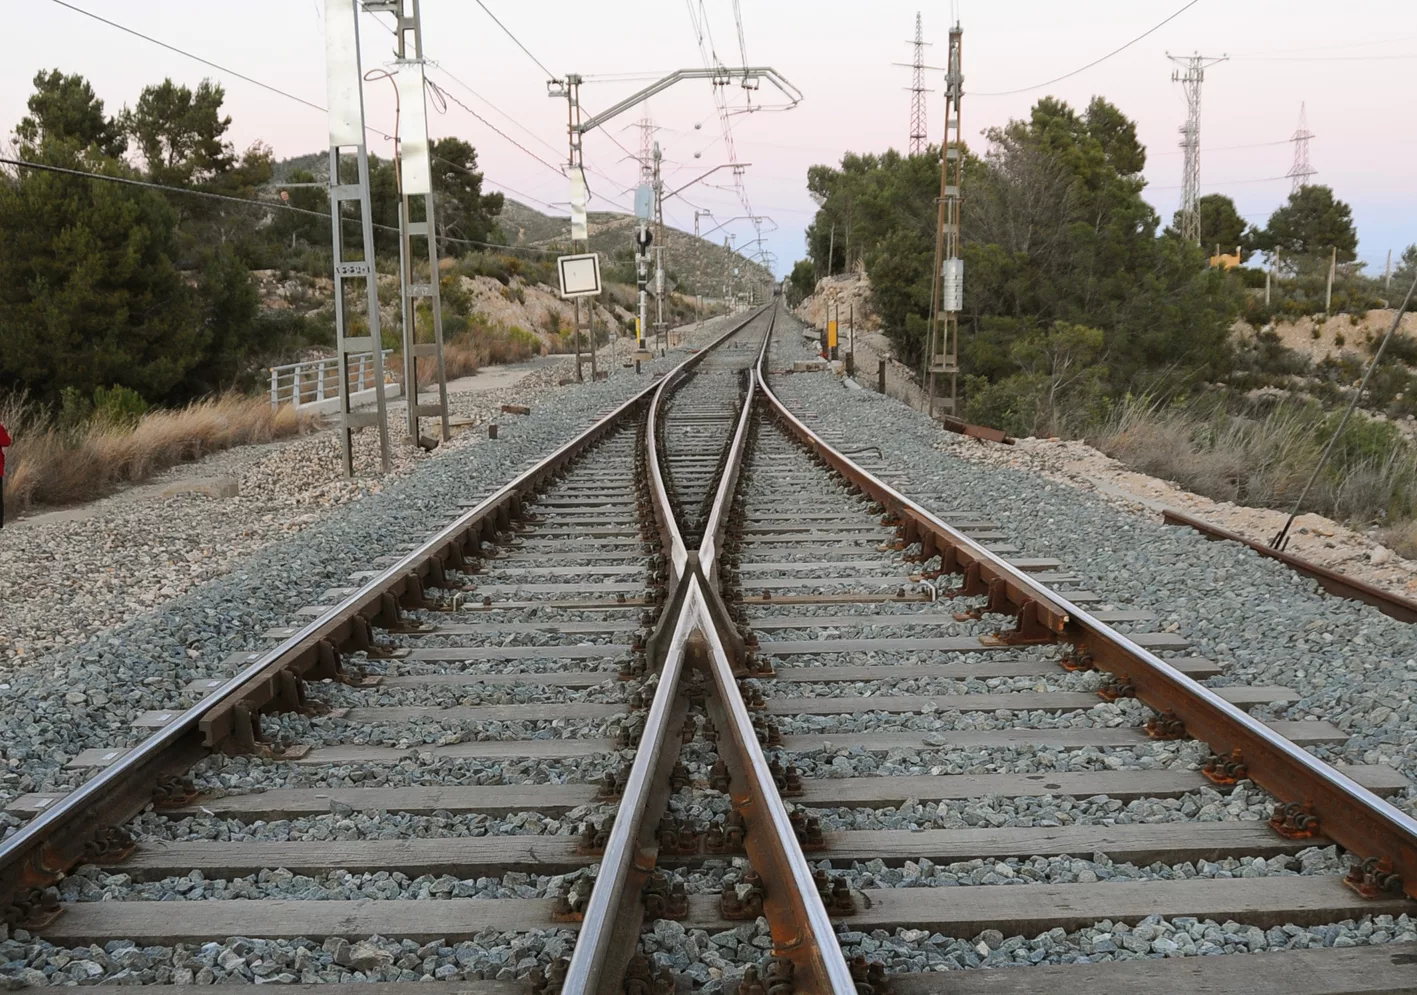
(700, 264)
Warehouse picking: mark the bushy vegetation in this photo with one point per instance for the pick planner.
(1262, 451)
(108, 285)
(97, 444)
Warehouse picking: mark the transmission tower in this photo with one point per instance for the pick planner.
(919, 133)
(1301, 170)
(1191, 78)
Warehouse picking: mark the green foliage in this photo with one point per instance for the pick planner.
(181, 134)
(118, 406)
(1221, 225)
(464, 211)
(89, 292)
(63, 110)
(1312, 222)
(801, 283)
(1056, 237)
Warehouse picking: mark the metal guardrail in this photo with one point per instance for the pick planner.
(1346, 812)
(318, 379)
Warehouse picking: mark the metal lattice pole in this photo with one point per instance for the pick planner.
(947, 296)
(346, 124)
(413, 172)
(1191, 79)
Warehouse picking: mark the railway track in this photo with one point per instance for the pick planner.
(704, 699)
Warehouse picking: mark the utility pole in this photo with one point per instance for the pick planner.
(570, 88)
(919, 133)
(413, 174)
(344, 78)
(659, 324)
(700, 214)
(1387, 272)
(1332, 271)
(1301, 171)
(947, 293)
(1191, 79)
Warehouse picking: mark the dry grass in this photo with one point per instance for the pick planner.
(51, 466)
(1263, 457)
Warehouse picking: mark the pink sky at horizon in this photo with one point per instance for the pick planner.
(1353, 81)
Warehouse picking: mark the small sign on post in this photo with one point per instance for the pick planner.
(580, 275)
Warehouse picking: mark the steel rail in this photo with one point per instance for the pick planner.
(1346, 812)
(800, 926)
(614, 914)
(801, 929)
(50, 844)
(717, 522)
(592, 968)
(659, 493)
(1335, 583)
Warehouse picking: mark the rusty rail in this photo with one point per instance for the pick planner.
(46, 847)
(1309, 790)
(1335, 583)
(703, 638)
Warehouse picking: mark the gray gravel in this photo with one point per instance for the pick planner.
(491, 955)
(61, 703)
(1266, 624)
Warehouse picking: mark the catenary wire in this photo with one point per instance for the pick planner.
(244, 201)
(514, 38)
(1056, 79)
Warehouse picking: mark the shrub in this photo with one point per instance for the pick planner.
(118, 406)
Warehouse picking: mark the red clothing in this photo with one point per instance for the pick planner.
(4, 441)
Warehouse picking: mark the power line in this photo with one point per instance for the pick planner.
(198, 58)
(285, 93)
(1056, 79)
(244, 201)
(1225, 183)
(448, 73)
(1231, 148)
(548, 72)
(445, 96)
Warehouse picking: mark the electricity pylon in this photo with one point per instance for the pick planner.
(1192, 78)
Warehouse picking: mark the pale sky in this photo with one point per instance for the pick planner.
(1351, 63)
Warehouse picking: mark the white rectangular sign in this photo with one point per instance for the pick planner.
(413, 130)
(342, 73)
(580, 194)
(580, 275)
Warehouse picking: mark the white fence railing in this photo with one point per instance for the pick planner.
(318, 379)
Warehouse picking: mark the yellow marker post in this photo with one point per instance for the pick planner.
(831, 339)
